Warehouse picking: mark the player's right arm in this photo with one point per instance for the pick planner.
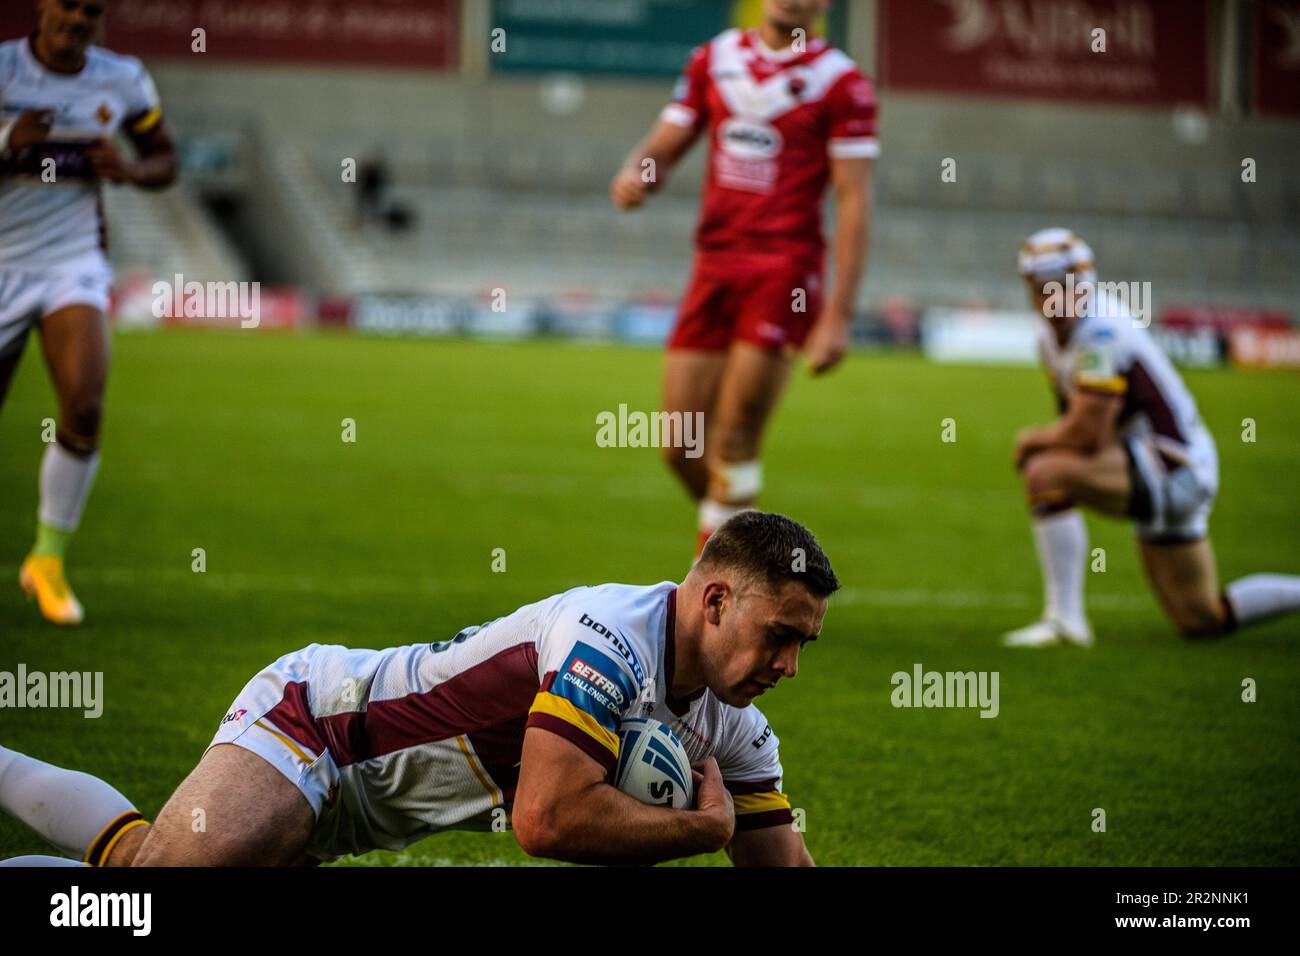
(678, 127)
(565, 809)
(590, 677)
(29, 129)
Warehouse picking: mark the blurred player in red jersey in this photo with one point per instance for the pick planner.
(786, 115)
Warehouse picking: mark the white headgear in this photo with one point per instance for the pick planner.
(1051, 253)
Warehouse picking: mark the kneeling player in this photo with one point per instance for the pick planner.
(340, 751)
(1129, 443)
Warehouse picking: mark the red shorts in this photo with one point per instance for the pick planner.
(772, 308)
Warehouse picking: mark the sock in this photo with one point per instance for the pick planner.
(1062, 540)
(713, 514)
(41, 861)
(51, 542)
(1259, 596)
(76, 812)
(66, 479)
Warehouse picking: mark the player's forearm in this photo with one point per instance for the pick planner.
(655, 156)
(602, 825)
(852, 235)
(155, 172)
(1067, 435)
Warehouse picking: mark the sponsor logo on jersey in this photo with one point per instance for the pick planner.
(234, 715)
(762, 738)
(746, 139)
(596, 679)
(594, 682)
(621, 645)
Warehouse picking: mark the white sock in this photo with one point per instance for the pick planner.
(66, 480)
(1259, 596)
(41, 861)
(69, 808)
(713, 514)
(1062, 541)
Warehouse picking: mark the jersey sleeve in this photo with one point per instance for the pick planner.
(751, 770)
(143, 107)
(1098, 365)
(689, 105)
(587, 685)
(852, 132)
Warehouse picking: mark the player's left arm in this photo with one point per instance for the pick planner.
(852, 147)
(766, 831)
(851, 186)
(1092, 410)
(1089, 424)
(155, 164)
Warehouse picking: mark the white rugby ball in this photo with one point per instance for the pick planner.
(652, 764)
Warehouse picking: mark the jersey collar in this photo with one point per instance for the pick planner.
(678, 707)
(29, 51)
(751, 40)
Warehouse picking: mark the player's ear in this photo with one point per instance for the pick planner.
(716, 594)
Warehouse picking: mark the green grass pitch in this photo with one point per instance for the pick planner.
(232, 443)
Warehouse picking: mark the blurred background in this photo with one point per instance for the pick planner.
(480, 136)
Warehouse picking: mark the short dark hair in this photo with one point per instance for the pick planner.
(773, 549)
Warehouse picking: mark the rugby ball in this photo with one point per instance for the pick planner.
(652, 764)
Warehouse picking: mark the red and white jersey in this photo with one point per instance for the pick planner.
(774, 119)
(428, 737)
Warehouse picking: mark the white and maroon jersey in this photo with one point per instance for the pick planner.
(44, 224)
(1110, 354)
(428, 737)
(774, 120)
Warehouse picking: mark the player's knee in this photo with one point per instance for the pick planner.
(1201, 622)
(733, 441)
(1044, 473)
(81, 418)
(675, 458)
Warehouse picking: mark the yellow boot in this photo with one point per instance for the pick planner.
(41, 576)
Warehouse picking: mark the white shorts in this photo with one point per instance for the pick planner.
(28, 295)
(1173, 486)
(270, 717)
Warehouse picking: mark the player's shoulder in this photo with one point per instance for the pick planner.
(110, 66)
(629, 620)
(836, 72)
(1107, 324)
(10, 50)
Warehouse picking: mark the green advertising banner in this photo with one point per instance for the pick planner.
(628, 37)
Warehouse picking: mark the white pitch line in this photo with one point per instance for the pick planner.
(432, 587)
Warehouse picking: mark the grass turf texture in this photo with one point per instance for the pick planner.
(232, 443)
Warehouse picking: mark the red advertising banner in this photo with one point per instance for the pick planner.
(1275, 55)
(420, 34)
(1155, 51)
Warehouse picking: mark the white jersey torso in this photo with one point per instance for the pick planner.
(1108, 352)
(46, 223)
